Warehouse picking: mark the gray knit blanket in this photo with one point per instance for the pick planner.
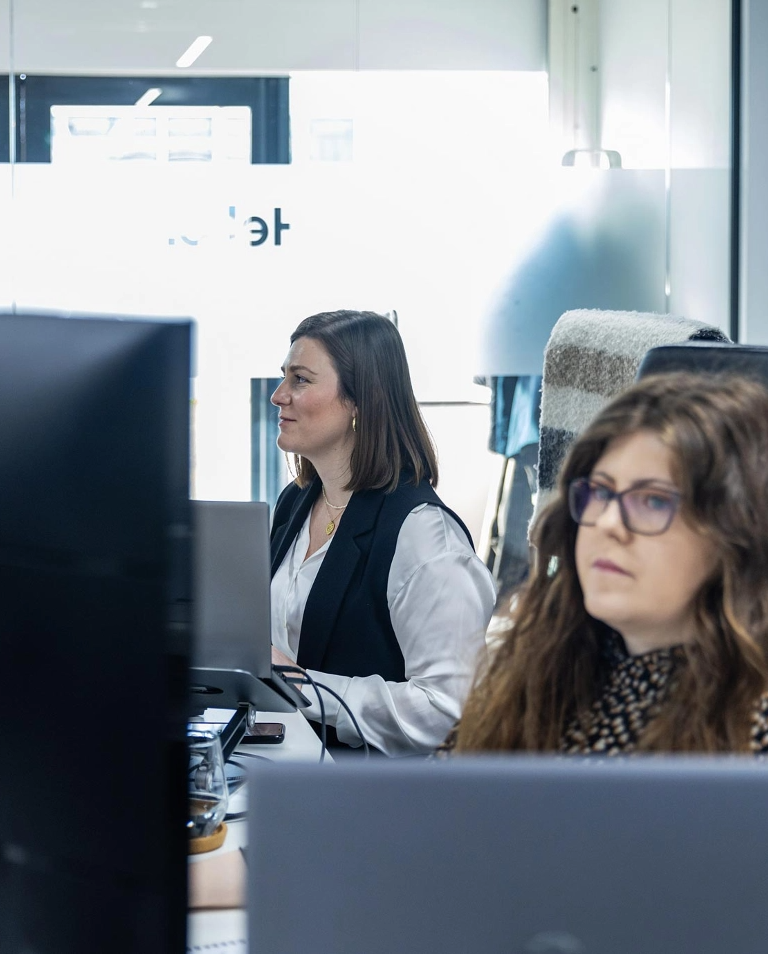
(592, 356)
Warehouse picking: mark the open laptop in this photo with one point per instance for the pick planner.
(231, 659)
(510, 855)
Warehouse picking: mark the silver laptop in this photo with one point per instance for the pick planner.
(231, 659)
(510, 855)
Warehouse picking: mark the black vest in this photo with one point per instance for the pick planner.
(346, 627)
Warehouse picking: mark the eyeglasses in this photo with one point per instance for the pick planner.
(646, 510)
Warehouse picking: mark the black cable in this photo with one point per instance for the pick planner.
(317, 686)
(237, 816)
(232, 780)
(320, 685)
(304, 679)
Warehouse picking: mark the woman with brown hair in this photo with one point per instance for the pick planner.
(644, 624)
(376, 588)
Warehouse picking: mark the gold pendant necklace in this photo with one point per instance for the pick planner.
(331, 525)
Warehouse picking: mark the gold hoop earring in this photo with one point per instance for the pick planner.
(288, 465)
(354, 423)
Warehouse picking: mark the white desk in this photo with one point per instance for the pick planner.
(206, 928)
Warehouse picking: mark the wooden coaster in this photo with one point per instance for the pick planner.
(208, 843)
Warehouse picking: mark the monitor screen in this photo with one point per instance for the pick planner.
(94, 553)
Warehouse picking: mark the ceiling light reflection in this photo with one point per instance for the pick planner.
(149, 97)
(189, 56)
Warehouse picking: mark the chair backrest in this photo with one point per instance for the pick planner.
(592, 356)
(709, 356)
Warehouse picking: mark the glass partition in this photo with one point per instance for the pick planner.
(6, 169)
(320, 155)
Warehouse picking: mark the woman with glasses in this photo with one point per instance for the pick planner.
(644, 624)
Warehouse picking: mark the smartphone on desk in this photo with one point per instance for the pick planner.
(264, 733)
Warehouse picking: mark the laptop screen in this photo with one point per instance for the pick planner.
(232, 654)
(232, 578)
(510, 855)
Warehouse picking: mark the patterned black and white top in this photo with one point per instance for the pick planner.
(635, 689)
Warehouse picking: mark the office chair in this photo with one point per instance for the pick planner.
(591, 356)
(707, 356)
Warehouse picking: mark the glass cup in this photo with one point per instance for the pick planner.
(206, 783)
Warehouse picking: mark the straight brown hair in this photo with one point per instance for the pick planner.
(549, 668)
(391, 438)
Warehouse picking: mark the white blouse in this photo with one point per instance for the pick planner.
(440, 597)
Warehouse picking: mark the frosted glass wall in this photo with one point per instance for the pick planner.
(422, 180)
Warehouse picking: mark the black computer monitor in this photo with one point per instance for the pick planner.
(94, 554)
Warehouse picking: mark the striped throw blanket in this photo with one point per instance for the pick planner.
(590, 357)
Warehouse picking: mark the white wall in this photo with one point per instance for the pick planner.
(700, 78)
(666, 105)
(644, 45)
(699, 159)
(754, 205)
(633, 67)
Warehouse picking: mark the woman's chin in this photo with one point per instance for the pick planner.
(603, 611)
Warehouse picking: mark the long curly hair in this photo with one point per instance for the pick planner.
(549, 668)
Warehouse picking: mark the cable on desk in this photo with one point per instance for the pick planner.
(241, 779)
(232, 760)
(320, 685)
(304, 679)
